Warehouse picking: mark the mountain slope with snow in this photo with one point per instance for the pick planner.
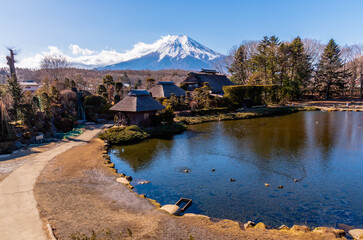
(170, 52)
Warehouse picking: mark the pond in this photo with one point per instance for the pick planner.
(323, 151)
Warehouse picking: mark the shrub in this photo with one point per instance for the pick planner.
(106, 109)
(168, 115)
(184, 86)
(166, 131)
(64, 124)
(93, 104)
(128, 135)
(240, 95)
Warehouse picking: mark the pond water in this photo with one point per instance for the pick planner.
(322, 150)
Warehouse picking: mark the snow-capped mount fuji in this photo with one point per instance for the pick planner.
(169, 52)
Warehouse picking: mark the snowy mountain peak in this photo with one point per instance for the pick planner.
(181, 46)
(169, 52)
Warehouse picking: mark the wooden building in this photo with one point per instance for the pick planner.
(216, 80)
(136, 108)
(29, 86)
(165, 89)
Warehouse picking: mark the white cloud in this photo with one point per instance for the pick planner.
(86, 58)
(76, 50)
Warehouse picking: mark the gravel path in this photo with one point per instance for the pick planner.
(19, 217)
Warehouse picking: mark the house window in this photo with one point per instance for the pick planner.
(146, 115)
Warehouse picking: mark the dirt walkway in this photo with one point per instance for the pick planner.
(79, 193)
(19, 217)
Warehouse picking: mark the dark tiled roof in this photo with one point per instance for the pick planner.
(137, 101)
(216, 81)
(165, 89)
(138, 92)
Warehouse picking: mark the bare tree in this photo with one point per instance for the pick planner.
(313, 48)
(352, 58)
(11, 61)
(54, 66)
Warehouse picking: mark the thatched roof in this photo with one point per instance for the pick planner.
(216, 80)
(165, 89)
(137, 101)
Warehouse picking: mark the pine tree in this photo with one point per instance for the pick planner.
(101, 89)
(15, 92)
(260, 60)
(329, 72)
(239, 68)
(299, 70)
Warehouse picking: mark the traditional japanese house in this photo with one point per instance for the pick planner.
(165, 89)
(136, 108)
(215, 79)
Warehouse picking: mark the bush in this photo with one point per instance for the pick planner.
(128, 135)
(241, 95)
(106, 109)
(168, 115)
(64, 124)
(166, 131)
(93, 104)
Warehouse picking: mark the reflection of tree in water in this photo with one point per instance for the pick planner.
(278, 136)
(325, 129)
(140, 156)
(273, 142)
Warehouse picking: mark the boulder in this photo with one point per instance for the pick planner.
(172, 209)
(129, 178)
(300, 228)
(356, 233)
(338, 233)
(122, 180)
(143, 182)
(249, 224)
(260, 225)
(283, 227)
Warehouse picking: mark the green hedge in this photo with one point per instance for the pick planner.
(166, 131)
(134, 134)
(256, 94)
(122, 135)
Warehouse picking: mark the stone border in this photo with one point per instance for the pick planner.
(125, 180)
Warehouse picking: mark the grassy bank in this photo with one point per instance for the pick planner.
(235, 115)
(134, 134)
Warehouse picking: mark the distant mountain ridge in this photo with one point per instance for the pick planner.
(171, 52)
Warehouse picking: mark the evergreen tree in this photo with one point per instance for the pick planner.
(329, 72)
(15, 92)
(260, 60)
(108, 81)
(54, 95)
(73, 84)
(150, 83)
(101, 89)
(273, 59)
(298, 70)
(118, 87)
(240, 66)
(266, 59)
(67, 83)
(44, 101)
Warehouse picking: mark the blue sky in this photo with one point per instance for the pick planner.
(118, 25)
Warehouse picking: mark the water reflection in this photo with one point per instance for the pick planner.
(324, 151)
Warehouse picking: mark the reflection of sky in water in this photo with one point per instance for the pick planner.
(324, 151)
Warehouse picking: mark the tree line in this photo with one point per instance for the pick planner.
(301, 68)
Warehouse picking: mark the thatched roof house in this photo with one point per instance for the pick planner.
(136, 108)
(216, 80)
(165, 89)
